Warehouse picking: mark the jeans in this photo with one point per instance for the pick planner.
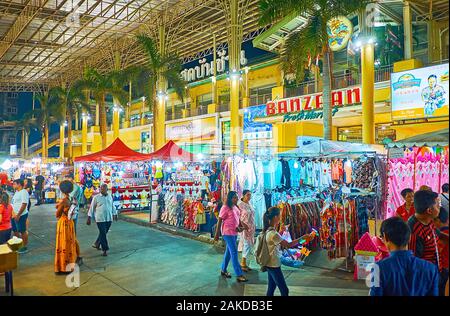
(5, 235)
(231, 253)
(276, 279)
(103, 229)
(38, 196)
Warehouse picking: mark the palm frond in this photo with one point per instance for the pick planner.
(303, 45)
(273, 10)
(151, 50)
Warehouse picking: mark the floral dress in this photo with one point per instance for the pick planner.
(247, 217)
(67, 248)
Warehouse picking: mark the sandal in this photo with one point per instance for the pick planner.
(246, 268)
(225, 274)
(96, 247)
(241, 279)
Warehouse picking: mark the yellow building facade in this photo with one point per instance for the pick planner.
(194, 113)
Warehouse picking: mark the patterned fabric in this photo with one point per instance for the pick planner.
(67, 248)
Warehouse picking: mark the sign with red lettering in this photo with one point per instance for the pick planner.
(311, 102)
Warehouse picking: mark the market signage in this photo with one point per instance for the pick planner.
(312, 102)
(193, 130)
(203, 68)
(339, 30)
(420, 93)
(307, 115)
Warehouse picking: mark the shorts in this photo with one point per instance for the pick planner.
(5, 235)
(21, 226)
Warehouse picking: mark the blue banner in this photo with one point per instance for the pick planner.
(250, 113)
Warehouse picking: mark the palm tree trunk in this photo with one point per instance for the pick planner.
(69, 137)
(45, 142)
(155, 116)
(327, 101)
(103, 123)
(26, 144)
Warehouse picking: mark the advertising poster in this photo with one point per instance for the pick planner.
(146, 143)
(192, 131)
(420, 93)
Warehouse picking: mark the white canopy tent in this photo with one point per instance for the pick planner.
(317, 147)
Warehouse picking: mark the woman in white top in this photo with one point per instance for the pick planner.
(247, 237)
(274, 244)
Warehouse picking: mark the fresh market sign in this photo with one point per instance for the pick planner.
(313, 102)
(307, 115)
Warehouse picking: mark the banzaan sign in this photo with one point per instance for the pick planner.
(310, 107)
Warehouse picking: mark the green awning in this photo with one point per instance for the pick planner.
(433, 139)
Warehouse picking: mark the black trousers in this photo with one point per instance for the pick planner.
(103, 229)
(443, 281)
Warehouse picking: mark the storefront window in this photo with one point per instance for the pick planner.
(226, 135)
(354, 134)
(260, 95)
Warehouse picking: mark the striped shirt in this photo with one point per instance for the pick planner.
(424, 241)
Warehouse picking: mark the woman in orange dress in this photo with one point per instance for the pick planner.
(67, 249)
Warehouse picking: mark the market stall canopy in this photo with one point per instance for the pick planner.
(117, 151)
(171, 152)
(320, 147)
(433, 139)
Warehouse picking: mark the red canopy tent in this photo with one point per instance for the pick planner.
(117, 151)
(171, 152)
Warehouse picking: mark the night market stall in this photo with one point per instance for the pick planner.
(125, 171)
(334, 188)
(180, 182)
(416, 161)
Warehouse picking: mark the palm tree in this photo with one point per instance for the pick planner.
(311, 40)
(101, 85)
(25, 124)
(167, 67)
(71, 100)
(48, 113)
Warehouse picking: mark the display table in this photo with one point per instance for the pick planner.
(8, 263)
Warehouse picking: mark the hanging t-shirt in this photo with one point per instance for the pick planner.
(302, 171)
(326, 174)
(317, 174)
(294, 166)
(309, 173)
(335, 170)
(269, 173)
(348, 171)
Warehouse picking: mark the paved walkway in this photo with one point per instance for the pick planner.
(145, 261)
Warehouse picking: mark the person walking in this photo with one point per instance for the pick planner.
(441, 223)
(402, 274)
(5, 218)
(20, 213)
(38, 187)
(274, 244)
(230, 225)
(75, 198)
(425, 238)
(406, 210)
(67, 248)
(444, 196)
(247, 237)
(104, 212)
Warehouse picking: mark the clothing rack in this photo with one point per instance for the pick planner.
(344, 197)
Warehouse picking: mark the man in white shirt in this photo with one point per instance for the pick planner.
(444, 196)
(104, 211)
(19, 203)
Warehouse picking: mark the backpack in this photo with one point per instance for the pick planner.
(262, 250)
